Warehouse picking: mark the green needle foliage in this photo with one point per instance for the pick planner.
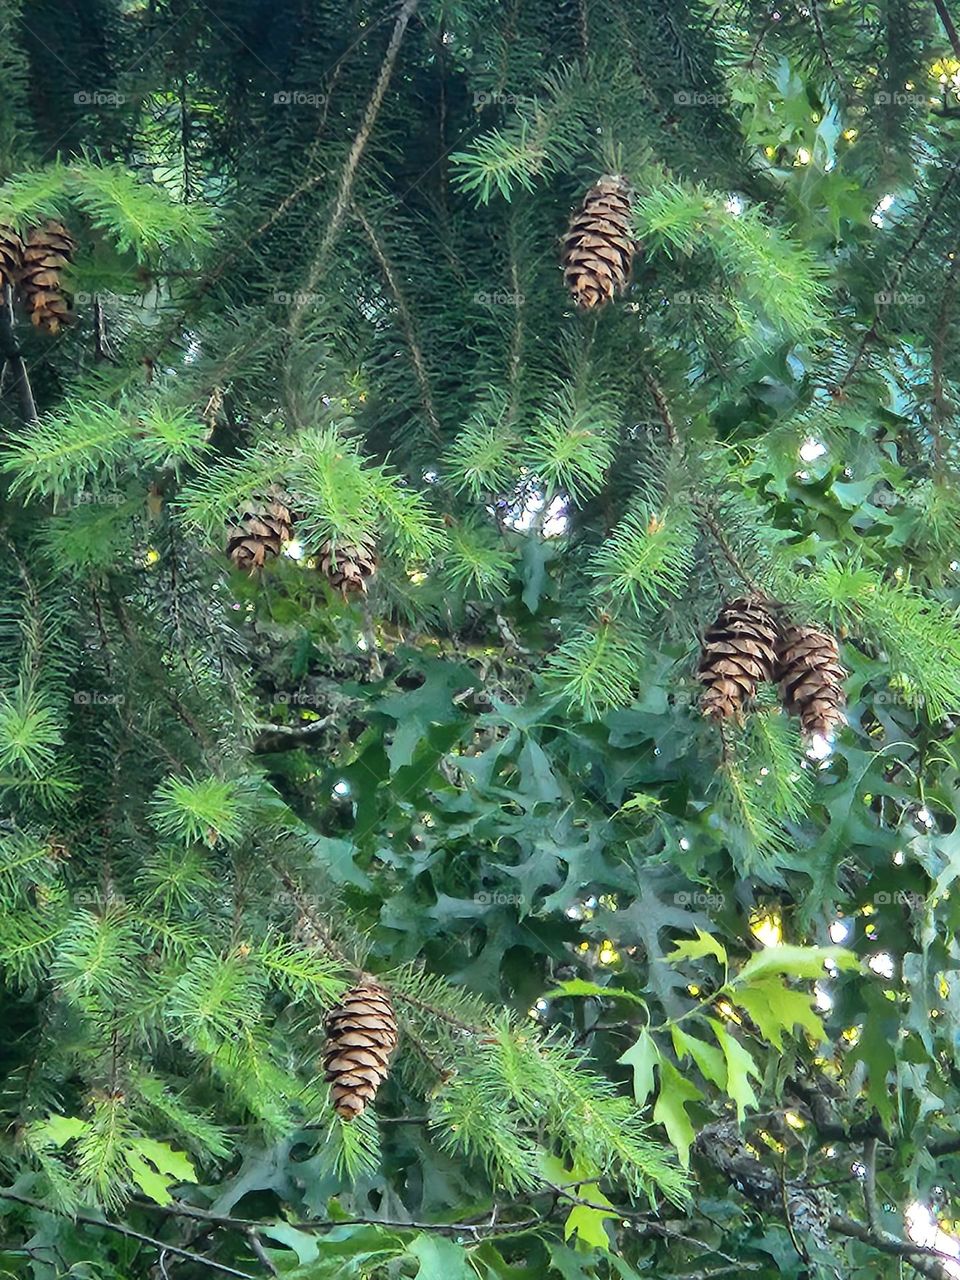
(675, 996)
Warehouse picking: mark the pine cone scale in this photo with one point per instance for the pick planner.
(262, 532)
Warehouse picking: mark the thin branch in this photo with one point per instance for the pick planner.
(487, 1226)
(120, 1229)
(14, 360)
(948, 25)
(890, 286)
(406, 320)
(920, 1257)
(348, 176)
(821, 38)
(710, 520)
(660, 400)
(941, 408)
(870, 1183)
(259, 1252)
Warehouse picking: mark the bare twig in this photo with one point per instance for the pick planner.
(348, 176)
(406, 320)
(10, 350)
(925, 1260)
(259, 1252)
(870, 1183)
(890, 285)
(949, 26)
(660, 400)
(710, 520)
(121, 1229)
(941, 407)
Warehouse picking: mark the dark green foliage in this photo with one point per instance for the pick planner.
(318, 254)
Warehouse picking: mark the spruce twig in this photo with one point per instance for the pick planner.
(348, 176)
(406, 321)
(10, 350)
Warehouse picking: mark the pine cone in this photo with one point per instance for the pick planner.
(599, 247)
(811, 678)
(739, 650)
(265, 526)
(361, 1036)
(349, 565)
(47, 251)
(11, 258)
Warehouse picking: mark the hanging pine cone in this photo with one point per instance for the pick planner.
(47, 251)
(349, 565)
(361, 1036)
(11, 258)
(599, 247)
(739, 650)
(811, 678)
(263, 529)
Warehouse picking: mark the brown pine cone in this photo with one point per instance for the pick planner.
(598, 249)
(361, 1036)
(349, 566)
(811, 678)
(11, 258)
(739, 651)
(48, 249)
(261, 533)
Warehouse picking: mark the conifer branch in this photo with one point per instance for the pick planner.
(406, 321)
(663, 408)
(710, 520)
(821, 38)
(10, 351)
(347, 177)
(893, 281)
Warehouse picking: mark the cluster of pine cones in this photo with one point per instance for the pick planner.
(266, 525)
(33, 267)
(750, 642)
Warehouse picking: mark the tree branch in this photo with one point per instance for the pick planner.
(710, 520)
(347, 177)
(14, 360)
(120, 1229)
(406, 320)
(948, 25)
